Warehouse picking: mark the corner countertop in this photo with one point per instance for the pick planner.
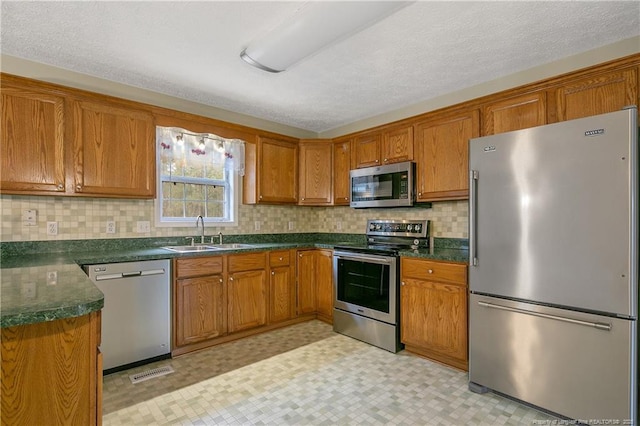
(44, 281)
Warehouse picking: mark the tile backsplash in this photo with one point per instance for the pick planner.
(86, 218)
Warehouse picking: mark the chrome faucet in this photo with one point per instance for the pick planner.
(220, 236)
(200, 219)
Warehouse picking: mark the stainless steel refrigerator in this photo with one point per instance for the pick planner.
(553, 273)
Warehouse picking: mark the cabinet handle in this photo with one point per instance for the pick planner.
(230, 278)
(420, 193)
(346, 198)
(78, 187)
(220, 279)
(300, 255)
(60, 187)
(260, 197)
(273, 273)
(302, 198)
(386, 160)
(377, 161)
(280, 258)
(402, 283)
(430, 271)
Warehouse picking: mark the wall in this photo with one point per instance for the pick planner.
(86, 218)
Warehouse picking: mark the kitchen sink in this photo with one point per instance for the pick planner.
(209, 247)
(191, 249)
(232, 246)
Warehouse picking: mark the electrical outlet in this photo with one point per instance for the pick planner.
(52, 228)
(111, 227)
(28, 290)
(52, 277)
(257, 225)
(292, 225)
(338, 226)
(29, 217)
(143, 227)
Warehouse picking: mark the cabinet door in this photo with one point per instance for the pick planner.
(114, 151)
(306, 271)
(367, 150)
(316, 173)
(599, 94)
(200, 311)
(324, 283)
(341, 168)
(281, 294)
(32, 150)
(397, 145)
(247, 296)
(442, 156)
(516, 113)
(434, 320)
(278, 172)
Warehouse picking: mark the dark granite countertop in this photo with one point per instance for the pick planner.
(30, 293)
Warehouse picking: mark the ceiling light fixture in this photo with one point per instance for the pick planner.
(314, 26)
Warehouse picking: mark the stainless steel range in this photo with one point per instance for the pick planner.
(366, 280)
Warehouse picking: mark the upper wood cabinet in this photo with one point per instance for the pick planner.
(397, 144)
(341, 168)
(597, 94)
(516, 113)
(391, 145)
(32, 154)
(315, 162)
(113, 150)
(54, 143)
(275, 164)
(442, 167)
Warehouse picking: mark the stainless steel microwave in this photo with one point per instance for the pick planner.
(390, 185)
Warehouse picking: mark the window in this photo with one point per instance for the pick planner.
(197, 176)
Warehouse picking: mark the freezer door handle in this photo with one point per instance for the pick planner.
(598, 325)
(473, 216)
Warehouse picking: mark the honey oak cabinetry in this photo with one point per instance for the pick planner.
(442, 161)
(32, 157)
(341, 168)
(247, 290)
(433, 310)
(282, 292)
(391, 145)
(272, 166)
(52, 372)
(515, 113)
(199, 300)
(596, 94)
(315, 283)
(315, 161)
(60, 141)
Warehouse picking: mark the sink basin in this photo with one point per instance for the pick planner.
(210, 247)
(231, 246)
(191, 249)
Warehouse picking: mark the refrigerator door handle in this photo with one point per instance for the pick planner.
(473, 214)
(598, 325)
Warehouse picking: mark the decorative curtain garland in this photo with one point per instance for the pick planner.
(179, 146)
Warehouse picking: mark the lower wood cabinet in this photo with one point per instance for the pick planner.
(247, 291)
(282, 292)
(433, 310)
(315, 283)
(200, 311)
(52, 372)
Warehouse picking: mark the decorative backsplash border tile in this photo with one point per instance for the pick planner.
(86, 218)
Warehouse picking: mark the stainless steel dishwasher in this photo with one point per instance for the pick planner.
(136, 318)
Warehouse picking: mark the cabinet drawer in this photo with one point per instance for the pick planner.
(247, 261)
(278, 258)
(434, 270)
(197, 266)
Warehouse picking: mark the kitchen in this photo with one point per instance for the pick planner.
(85, 219)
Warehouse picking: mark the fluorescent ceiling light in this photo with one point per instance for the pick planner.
(314, 26)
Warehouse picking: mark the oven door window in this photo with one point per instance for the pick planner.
(364, 284)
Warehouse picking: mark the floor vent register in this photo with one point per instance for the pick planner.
(150, 374)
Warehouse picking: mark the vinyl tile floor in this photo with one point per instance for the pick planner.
(305, 374)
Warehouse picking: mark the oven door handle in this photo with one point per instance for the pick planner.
(362, 258)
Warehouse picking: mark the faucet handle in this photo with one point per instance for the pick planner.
(190, 238)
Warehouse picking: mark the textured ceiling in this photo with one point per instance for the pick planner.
(191, 50)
